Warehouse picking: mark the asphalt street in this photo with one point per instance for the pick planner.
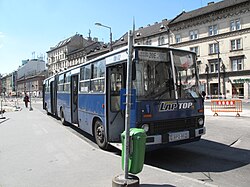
(36, 150)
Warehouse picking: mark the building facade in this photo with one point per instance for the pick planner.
(81, 55)
(8, 84)
(219, 33)
(31, 85)
(57, 56)
(30, 78)
(156, 34)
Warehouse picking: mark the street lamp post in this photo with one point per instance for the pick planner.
(207, 71)
(218, 53)
(30, 97)
(110, 33)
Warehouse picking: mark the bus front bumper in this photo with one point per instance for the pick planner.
(174, 137)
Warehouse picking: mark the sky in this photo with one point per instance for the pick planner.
(28, 28)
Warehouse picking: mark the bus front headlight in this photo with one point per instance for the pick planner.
(200, 121)
(145, 127)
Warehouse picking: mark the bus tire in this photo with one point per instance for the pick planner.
(62, 117)
(99, 134)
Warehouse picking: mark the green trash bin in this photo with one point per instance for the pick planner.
(137, 150)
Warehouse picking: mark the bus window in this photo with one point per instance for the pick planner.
(85, 75)
(154, 80)
(97, 85)
(60, 83)
(99, 69)
(67, 82)
(186, 75)
(47, 89)
(97, 81)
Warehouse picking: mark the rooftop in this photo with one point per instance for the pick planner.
(211, 7)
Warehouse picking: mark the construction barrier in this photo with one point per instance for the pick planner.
(226, 106)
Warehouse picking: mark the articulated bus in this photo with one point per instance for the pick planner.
(167, 102)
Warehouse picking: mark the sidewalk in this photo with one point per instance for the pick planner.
(36, 150)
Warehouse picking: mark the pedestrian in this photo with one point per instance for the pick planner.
(26, 99)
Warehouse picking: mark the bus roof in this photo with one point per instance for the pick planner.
(114, 52)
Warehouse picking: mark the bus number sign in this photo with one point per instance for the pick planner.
(153, 56)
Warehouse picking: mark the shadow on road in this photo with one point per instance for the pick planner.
(156, 185)
(90, 139)
(202, 156)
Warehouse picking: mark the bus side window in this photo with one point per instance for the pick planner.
(116, 85)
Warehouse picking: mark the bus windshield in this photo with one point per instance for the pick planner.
(186, 74)
(154, 78)
(154, 75)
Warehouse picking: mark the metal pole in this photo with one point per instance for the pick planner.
(128, 102)
(30, 99)
(110, 33)
(218, 68)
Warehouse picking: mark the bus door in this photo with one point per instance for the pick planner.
(115, 116)
(55, 95)
(52, 97)
(44, 90)
(74, 99)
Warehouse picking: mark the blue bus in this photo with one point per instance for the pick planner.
(168, 105)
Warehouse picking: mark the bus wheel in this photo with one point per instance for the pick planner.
(62, 118)
(100, 135)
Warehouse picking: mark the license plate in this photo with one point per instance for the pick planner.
(176, 136)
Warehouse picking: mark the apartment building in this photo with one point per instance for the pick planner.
(56, 56)
(156, 34)
(220, 34)
(8, 84)
(70, 52)
(30, 78)
(81, 55)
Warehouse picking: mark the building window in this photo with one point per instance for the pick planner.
(236, 44)
(237, 64)
(213, 48)
(193, 34)
(177, 38)
(161, 40)
(214, 67)
(148, 42)
(195, 49)
(235, 25)
(212, 30)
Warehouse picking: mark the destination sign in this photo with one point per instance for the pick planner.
(153, 56)
(116, 57)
